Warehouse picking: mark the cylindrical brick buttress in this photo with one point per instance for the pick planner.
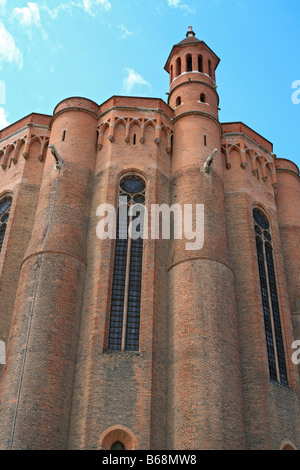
(205, 394)
(37, 383)
(288, 210)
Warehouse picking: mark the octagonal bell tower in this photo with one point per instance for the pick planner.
(204, 382)
(192, 68)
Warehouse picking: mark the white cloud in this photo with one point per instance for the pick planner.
(27, 16)
(89, 5)
(9, 52)
(133, 79)
(31, 15)
(179, 4)
(2, 92)
(2, 3)
(124, 32)
(3, 119)
(53, 12)
(173, 3)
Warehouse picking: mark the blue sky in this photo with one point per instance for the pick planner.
(53, 49)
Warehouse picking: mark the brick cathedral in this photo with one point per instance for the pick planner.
(140, 343)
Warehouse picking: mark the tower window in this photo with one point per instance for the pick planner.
(205, 140)
(178, 66)
(64, 136)
(202, 98)
(209, 68)
(270, 303)
(189, 63)
(200, 63)
(127, 277)
(5, 205)
(134, 139)
(171, 74)
(178, 100)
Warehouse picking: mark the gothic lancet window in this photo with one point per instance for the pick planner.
(127, 277)
(5, 204)
(270, 303)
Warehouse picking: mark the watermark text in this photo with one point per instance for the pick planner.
(296, 354)
(160, 222)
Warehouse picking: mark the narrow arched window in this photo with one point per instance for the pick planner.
(127, 277)
(189, 63)
(270, 303)
(209, 68)
(178, 66)
(178, 100)
(5, 205)
(200, 63)
(171, 74)
(202, 98)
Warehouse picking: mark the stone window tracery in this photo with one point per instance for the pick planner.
(5, 205)
(270, 303)
(127, 277)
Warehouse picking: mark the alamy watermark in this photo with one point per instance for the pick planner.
(162, 221)
(296, 354)
(2, 352)
(296, 94)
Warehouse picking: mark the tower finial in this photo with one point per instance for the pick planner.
(190, 32)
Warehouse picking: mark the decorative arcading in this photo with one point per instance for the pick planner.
(160, 130)
(10, 153)
(257, 161)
